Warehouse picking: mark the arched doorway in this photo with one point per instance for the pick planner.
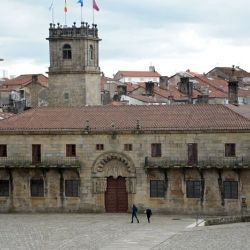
(114, 181)
(116, 196)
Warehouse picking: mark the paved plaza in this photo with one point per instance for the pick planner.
(114, 231)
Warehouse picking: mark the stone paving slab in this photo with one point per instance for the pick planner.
(223, 237)
(86, 231)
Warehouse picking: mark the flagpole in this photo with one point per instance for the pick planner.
(93, 16)
(81, 13)
(52, 12)
(65, 11)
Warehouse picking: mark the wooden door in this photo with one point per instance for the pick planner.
(116, 196)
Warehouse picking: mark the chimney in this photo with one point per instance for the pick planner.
(122, 90)
(186, 87)
(34, 78)
(164, 82)
(204, 97)
(233, 88)
(152, 68)
(149, 88)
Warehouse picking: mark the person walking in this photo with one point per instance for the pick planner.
(134, 213)
(148, 213)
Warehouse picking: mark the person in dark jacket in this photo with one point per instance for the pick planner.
(148, 213)
(134, 213)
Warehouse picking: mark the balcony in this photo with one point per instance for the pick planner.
(209, 162)
(46, 162)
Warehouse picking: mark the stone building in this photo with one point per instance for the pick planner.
(74, 73)
(24, 92)
(180, 158)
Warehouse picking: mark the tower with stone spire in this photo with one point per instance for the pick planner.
(74, 72)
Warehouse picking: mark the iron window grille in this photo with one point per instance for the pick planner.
(4, 187)
(72, 188)
(157, 188)
(37, 188)
(230, 189)
(193, 189)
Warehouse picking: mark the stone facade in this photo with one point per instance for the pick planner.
(92, 167)
(74, 73)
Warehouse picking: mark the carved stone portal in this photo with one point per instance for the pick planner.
(115, 165)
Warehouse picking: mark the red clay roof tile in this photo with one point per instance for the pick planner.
(155, 117)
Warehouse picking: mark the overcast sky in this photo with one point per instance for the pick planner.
(172, 35)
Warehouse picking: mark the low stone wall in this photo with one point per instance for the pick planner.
(227, 220)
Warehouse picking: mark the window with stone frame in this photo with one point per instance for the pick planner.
(128, 147)
(91, 52)
(66, 96)
(37, 187)
(4, 187)
(192, 153)
(230, 150)
(193, 189)
(156, 149)
(157, 188)
(99, 146)
(36, 153)
(67, 53)
(70, 150)
(72, 188)
(3, 150)
(230, 189)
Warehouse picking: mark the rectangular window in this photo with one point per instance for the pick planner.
(230, 189)
(4, 187)
(156, 149)
(193, 189)
(21, 92)
(70, 150)
(192, 154)
(230, 150)
(72, 188)
(36, 153)
(3, 150)
(157, 188)
(37, 188)
(99, 147)
(128, 147)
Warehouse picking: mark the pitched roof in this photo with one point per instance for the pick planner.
(228, 71)
(243, 110)
(23, 80)
(139, 73)
(125, 118)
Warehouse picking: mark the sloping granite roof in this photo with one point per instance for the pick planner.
(124, 118)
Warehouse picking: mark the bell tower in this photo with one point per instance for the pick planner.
(74, 72)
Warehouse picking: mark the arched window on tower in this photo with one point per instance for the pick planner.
(91, 52)
(67, 54)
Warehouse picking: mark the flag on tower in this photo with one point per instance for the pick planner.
(52, 5)
(80, 2)
(65, 6)
(95, 6)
